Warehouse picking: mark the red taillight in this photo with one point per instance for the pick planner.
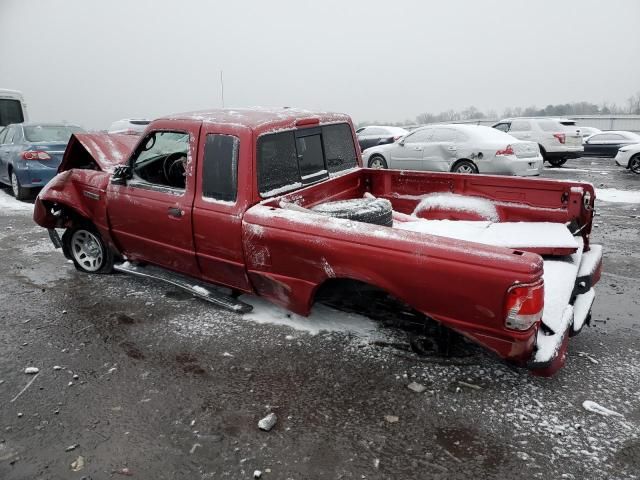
(524, 306)
(561, 137)
(35, 155)
(508, 150)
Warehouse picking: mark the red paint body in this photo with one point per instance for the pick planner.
(255, 246)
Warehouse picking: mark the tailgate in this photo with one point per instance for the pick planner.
(568, 296)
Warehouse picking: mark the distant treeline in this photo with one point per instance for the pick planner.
(632, 106)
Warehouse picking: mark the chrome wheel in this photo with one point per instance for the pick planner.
(377, 163)
(634, 164)
(87, 250)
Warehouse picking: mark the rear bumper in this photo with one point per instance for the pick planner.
(34, 174)
(522, 167)
(565, 154)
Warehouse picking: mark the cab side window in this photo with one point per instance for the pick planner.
(220, 168)
(162, 158)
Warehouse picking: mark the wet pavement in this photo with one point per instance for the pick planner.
(137, 379)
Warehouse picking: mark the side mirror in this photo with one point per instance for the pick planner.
(120, 175)
(401, 143)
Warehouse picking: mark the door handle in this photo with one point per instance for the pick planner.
(419, 149)
(453, 149)
(175, 212)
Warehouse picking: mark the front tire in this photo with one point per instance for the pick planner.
(377, 162)
(87, 250)
(18, 190)
(465, 166)
(634, 163)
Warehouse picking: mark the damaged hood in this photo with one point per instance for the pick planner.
(101, 151)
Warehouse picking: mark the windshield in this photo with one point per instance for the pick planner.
(49, 133)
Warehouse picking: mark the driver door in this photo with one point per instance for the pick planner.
(150, 216)
(408, 154)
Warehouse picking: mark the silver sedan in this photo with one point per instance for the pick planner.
(458, 148)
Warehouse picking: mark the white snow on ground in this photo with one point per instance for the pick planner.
(594, 407)
(617, 196)
(322, 318)
(9, 205)
(506, 234)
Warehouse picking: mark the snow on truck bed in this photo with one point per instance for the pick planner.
(507, 234)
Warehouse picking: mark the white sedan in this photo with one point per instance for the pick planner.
(629, 157)
(458, 148)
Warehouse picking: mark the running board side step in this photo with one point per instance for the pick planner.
(195, 287)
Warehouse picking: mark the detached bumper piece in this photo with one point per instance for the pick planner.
(569, 295)
(195, 287)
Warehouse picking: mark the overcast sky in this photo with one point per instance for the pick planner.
(91, 61)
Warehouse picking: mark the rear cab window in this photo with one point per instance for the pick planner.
(220, 168)
(291, 159)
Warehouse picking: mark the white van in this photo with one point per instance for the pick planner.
(12, 107)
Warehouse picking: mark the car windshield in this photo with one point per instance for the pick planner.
(49, 133)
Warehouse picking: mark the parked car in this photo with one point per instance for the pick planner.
(12, 107)
(378, 135)
(458, 148)
(265, 183)
(606, 144)
(629, 157)
(586, 132)
(30, 154)
(559, 138)
(129, 126)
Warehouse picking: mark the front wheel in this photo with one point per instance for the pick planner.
(87, 250)
(634, 163)
(378, 162)
(557, 162)
(18, 190)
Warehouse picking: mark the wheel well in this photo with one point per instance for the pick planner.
(357, 296)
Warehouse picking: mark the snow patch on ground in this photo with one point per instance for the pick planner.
(9, 205)
(617, 196)
(322, 318)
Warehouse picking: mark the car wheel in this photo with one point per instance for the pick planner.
(464, 166)
(557, 162)
(18, 190)
(634, 163)
(87, 250)
(378, 162)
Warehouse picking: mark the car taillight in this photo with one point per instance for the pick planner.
(35, 155)
(561, 137)
(524, 306)
(508, 150)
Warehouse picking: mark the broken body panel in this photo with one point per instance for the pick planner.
(256, 246)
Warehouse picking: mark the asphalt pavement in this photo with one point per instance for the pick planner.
(138, 379)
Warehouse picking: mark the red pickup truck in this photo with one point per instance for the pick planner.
(274, 202)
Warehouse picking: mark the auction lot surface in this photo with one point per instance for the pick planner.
(154, 384)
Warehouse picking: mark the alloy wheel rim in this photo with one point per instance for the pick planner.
(635, 165)
(87, 250)
(465, 169)
(376, 163)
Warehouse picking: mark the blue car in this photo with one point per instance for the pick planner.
(30, 154)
